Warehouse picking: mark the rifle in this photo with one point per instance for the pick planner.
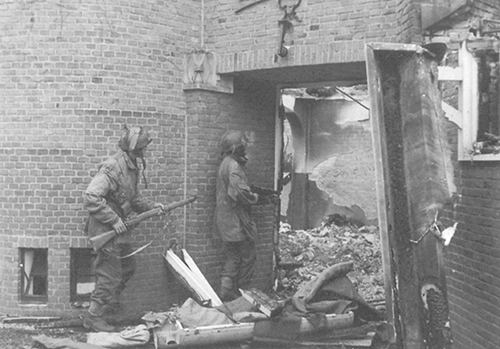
(263, 191)
(100, 240)
(266, 195)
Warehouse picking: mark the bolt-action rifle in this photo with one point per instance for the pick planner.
(100, 240)
(263, 191)
(266, 195)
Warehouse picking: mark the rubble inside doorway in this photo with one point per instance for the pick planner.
(306, 253)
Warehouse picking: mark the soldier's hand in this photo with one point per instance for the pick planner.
(275, 199)
(160, 205)
(119, 227)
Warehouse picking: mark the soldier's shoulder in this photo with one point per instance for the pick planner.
(111, 166)
(228, 162)
(230, 165)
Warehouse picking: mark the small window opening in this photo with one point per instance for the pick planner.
(82, 278)
(34, 274)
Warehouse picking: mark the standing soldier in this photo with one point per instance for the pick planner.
(233, 216)
(110, 197)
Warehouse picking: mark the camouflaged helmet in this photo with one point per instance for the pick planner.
(134, 138)
(231, 140)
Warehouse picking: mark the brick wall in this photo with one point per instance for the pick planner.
(328, 31)
(321, 21)
(70, 74)
(250, 109)
(473, 256)
(408, 20)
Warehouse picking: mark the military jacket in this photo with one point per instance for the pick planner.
(234, 199)
(113, 194)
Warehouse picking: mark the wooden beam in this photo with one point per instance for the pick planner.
(452, 114)
(186, 276)
(382, 186)
(468, 102)
(201, 278)
(262, 302)
(450, 73)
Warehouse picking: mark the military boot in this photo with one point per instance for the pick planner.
(94, 321)
(227, 292)
(112, 308)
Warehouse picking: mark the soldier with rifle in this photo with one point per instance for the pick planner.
(234, 198)
(110, 197)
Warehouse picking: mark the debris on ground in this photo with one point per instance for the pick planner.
(20, 335)
(314, 264)
(306, 253)
(130, 337)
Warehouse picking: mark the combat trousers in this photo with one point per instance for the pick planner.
(112, 273)
(239, 263)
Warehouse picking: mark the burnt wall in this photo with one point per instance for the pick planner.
(339, 171)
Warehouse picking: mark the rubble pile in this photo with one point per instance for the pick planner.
(306, 253)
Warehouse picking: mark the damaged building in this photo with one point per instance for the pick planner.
(72, 73)
(328, 157)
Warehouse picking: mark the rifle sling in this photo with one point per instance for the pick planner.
(138, 250)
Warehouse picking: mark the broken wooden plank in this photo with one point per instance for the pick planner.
(450, 73)
(185, 275)
(452, 114)
(201, 278)
(64, 323)
(265, 304)
(468, 101)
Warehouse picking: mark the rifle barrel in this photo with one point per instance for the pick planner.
(99, 240)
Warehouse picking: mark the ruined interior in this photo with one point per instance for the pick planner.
(328, 161)
(328, 200)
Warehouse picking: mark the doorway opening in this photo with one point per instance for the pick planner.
(328, 200)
